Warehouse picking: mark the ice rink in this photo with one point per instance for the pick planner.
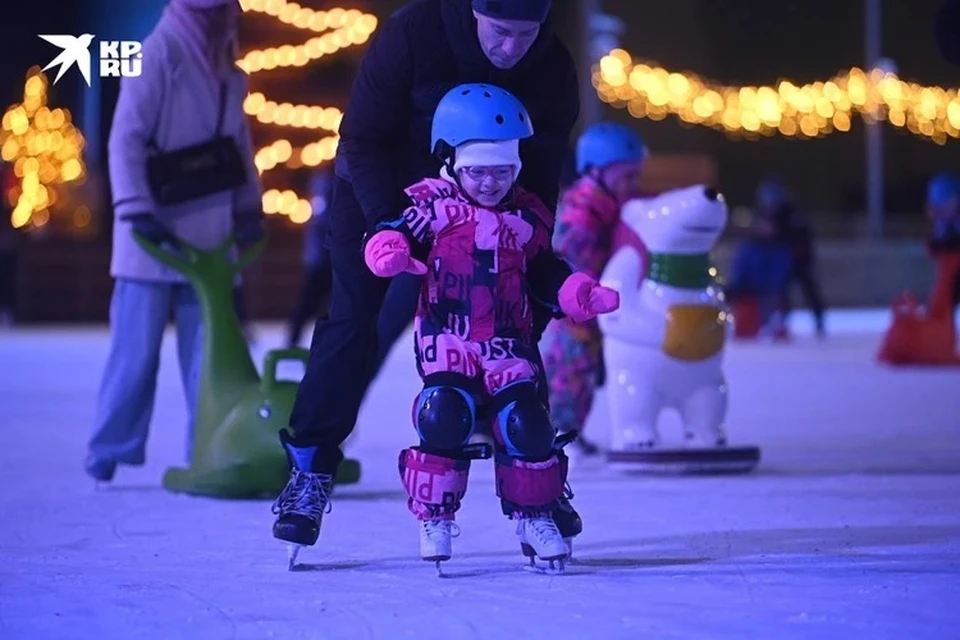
(850, 528)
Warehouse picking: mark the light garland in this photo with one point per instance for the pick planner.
(45, 150)
(282, 152)
(808, 111)
(345, 28)
(297, 116)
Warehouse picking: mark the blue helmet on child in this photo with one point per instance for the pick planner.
(772, 193)
(472, 112)
(943, 188)
(607, 143)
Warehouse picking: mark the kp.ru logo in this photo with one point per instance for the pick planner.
(117, 57)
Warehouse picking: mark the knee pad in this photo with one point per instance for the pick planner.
(435, 484)
(523, 426)
(444, 415)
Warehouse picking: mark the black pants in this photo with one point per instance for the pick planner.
(803, 275)
(399, 307)
(345, 350)
(8, 280)
(313, 298)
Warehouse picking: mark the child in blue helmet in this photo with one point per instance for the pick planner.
(609, 159)
(763, 263)
(483, 244)
(776, 209)
(943, 209)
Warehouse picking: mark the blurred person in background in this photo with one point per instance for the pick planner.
(792, 230)
(762, 266)
(190, 95)
(608, 161)
(314, 296)
(943, 209)
(9, 247)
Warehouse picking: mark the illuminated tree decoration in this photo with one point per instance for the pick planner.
(45, 150)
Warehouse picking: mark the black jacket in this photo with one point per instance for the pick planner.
(946, 30)
(416, 56)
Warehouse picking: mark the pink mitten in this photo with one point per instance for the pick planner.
(388, 254)
(582, 298)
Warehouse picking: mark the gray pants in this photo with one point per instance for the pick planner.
(138, 316)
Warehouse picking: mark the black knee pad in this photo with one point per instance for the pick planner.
(524, 425)
(444, 414)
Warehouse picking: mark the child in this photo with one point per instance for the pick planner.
(609, 159)
(775, 207)
(487, 245)
(943, 208)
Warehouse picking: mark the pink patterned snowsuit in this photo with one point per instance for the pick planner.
(588, 233)
(473, 326)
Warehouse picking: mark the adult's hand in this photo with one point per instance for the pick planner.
(150, 227)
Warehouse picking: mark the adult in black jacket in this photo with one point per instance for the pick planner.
(417, 55)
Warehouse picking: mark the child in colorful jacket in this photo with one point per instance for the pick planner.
(609, 160)
(484, 243)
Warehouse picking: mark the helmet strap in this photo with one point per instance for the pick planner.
(596, 175)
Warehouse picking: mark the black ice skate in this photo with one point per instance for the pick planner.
(565, 516)
(300, 506)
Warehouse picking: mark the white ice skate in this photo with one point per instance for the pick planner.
(540, 538)
(436, 541)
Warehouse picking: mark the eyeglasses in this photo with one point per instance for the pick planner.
(499, 173)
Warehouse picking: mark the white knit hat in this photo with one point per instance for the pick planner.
(488, 154)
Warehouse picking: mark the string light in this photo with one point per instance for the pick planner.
(349, 27)
(284, 114)
(803, 111)
(44, 148)
(344, 28)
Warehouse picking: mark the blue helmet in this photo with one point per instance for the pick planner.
(943, 188)
(474, 112)
(771, 193)
(607, 143)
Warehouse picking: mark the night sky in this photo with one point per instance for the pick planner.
(730, 41)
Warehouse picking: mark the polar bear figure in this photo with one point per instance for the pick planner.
(664, 347)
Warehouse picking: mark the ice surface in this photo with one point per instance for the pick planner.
(850, 528)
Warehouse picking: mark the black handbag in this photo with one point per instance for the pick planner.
(198, 170)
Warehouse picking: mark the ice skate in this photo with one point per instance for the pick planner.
(436, 541)
(101, 470)
(540, 538)
(300, 506)
(299, 510)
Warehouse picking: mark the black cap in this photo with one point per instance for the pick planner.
(530, 10)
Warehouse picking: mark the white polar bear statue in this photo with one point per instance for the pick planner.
(664, 347)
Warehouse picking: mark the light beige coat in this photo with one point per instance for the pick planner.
(176, 98)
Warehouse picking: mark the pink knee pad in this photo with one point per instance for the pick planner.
(435, 484)
(529, 487)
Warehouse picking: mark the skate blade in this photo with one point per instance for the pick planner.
(437, 560)
(555, 568)
(293, 550)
